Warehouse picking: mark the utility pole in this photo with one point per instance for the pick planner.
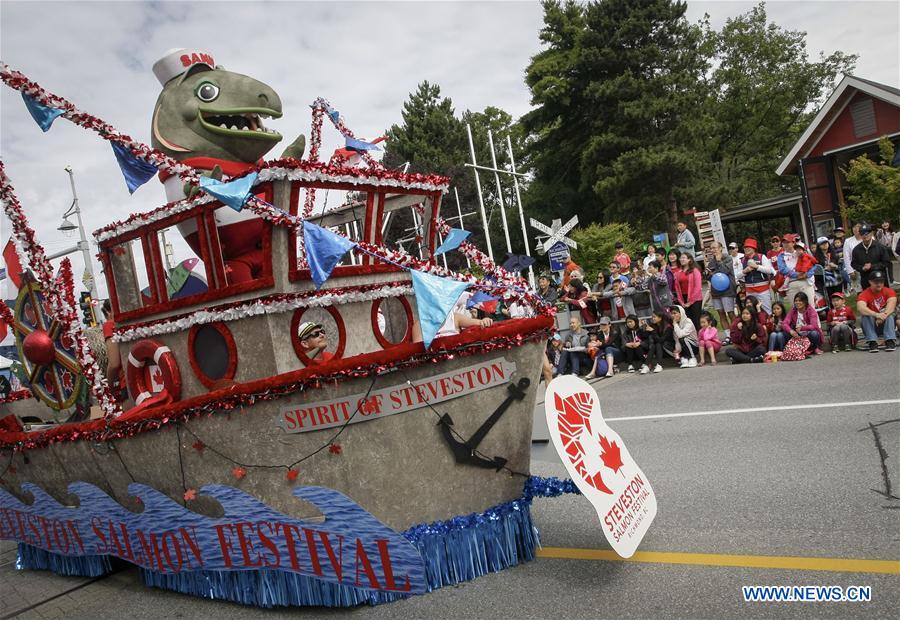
(83, 242)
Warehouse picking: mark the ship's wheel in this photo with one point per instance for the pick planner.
(46, 351)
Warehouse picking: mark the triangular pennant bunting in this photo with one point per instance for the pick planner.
(454, 238)
(43, 115)
(233, 193)
(516, 262)
(136, 171)
(480, 297)
(324, 250)
(361, 145)
(435, 298)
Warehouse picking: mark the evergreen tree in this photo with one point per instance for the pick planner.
(433, 140)
(764, 92)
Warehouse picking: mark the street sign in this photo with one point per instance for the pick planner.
(599, 463)
(557, 232)
(558, 255)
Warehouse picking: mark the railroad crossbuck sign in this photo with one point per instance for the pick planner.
(599, 463)
(557, 231)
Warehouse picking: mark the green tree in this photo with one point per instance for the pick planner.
(597, 246)
(617, 91)
(874, 186)
(637, 110)
(433, 140)
(763, 93)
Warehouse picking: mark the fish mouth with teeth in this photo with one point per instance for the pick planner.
(240, 122)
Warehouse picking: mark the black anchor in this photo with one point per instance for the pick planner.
(464, 453)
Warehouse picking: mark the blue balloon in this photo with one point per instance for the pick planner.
(720, 282)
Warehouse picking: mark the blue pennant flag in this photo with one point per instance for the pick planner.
(42, 115)
(3, 273)
(136, 171)
(334, 115)
(455, 237)
(480, 297)
(360, 145)
(516, 262)
(234, 193)
(324, 250)
(435, 298)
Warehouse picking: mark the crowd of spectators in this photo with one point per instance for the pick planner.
(783, 303)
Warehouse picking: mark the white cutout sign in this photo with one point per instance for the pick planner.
(599, 463)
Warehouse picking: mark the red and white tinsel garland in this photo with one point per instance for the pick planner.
(321, 108)
(291, 170)
(64, 301)
(270, 304)
(35, 256)
(59, 292)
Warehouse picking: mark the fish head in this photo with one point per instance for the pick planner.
(215, 113)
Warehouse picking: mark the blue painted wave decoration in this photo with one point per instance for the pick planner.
(351, 548)
(453, 551)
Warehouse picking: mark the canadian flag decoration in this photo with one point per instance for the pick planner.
(599, 463)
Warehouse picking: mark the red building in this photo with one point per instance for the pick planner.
(857, 114)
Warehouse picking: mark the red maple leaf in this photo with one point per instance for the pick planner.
(67, 380)
(157, 376)
(199, 446)
(292, 474)
(119, 250)
(335, 448)
(48, 383)
(611, 455)
(190, 494)
(238, 472)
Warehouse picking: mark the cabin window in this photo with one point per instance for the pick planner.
(213, 354)
(184, 271)
(333, 326)
(207, 253)
(392, 321)
(130, 275)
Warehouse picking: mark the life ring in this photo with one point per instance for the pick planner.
(138, 377)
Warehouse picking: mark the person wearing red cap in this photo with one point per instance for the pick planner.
(791, 264)
(839, 323)
(775, 249)
(757, 270)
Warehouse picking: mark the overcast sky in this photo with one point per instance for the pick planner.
(365, 57)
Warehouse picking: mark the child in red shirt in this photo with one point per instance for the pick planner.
(840, 322)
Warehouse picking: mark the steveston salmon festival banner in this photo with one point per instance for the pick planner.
(599, 463)
(350, 547)
(399, 398)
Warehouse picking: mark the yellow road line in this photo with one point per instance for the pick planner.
(840, 565)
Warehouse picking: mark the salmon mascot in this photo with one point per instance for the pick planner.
(214, 120)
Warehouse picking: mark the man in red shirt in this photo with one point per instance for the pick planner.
(313, 341)
(876, 306)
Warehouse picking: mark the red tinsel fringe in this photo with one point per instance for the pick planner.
(17, 395)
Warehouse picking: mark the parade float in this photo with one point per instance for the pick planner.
(284, 440)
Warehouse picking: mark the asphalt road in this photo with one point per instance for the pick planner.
(800, 478)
